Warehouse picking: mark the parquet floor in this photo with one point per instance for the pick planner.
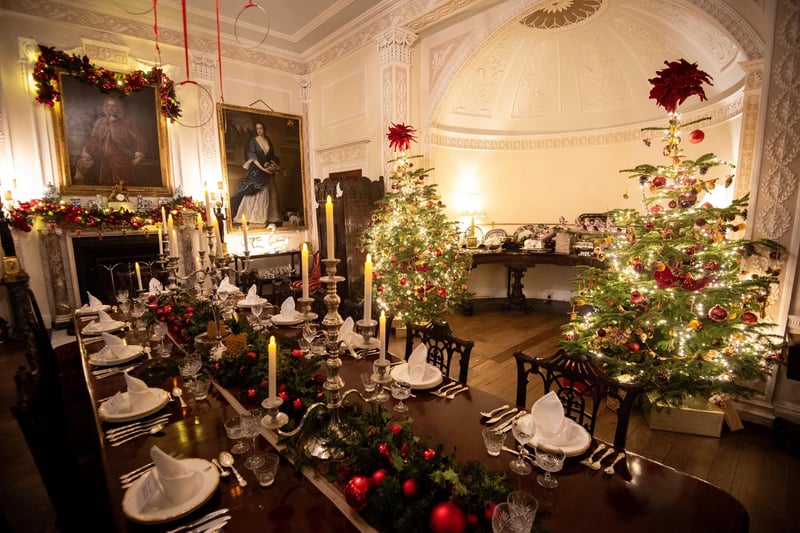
(746, 463)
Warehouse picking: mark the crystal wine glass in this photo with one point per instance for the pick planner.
(549, 459)
(523, 429)
(256, 309)
(400, 391)
(190, 366)
(310, 330)
(251, 426)
(122, 300)
(158, 333)
(234, 428)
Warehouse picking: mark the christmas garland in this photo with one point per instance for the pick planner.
(50, 61)
(62, 214)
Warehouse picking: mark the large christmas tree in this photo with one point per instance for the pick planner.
(678, 308)
(420, 272)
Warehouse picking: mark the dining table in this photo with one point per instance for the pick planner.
(640, 494)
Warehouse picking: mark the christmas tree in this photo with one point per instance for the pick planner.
(419, 270)
(678, 308)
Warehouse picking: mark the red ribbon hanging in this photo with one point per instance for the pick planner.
(155, 29)
(185, 38)
(219, 58)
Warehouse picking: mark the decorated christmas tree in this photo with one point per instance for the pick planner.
(420, 272)
(680, 307)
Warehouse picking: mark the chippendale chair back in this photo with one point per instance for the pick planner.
(442, 347)
(581, 386)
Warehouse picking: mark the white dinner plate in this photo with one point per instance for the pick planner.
(244, 305)
(400, 373)
(131, 352)
(574, 439)
(278, 320)
(160, 509)
(158, 399)
(83, 311)
(96, 328)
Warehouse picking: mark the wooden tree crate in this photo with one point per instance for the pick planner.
(695, 416)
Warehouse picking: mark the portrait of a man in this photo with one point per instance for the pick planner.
(263, 165)
(109, 138)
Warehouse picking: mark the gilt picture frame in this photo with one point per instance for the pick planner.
(263, 169)
(103, 138)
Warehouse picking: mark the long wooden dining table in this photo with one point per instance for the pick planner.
(641, 495)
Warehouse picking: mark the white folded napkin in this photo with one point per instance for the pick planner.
(252, 296)
(179, 483)
(93, 305)
(287, 309)
(138, 391)
(346, 333)
(226, 287)
(548, 413)
(115, 348)
(155, 287)
(103, 323)
(418, 367)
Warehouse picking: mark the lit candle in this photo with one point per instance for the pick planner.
(163, 216)
(329, 224)
(173, 251)
(138, 275)
(160, 241)
(382, 336)
(173, 244)
(244, 232)
(368, 288)
(217, 238)
(304, 268)
(201, 241)
(208, 204)
(272, 362)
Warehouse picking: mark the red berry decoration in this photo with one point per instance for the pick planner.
(751, 319)
(696, 136)
(447, 517)
(428, 454)
(378, 476)
(717, 313)
(410, 488)
(356, 491)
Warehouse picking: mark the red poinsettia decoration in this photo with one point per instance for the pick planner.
(676, 83)
(400, 136)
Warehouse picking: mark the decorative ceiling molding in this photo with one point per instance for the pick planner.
(726, 110)
(558, 14)
(739, 28)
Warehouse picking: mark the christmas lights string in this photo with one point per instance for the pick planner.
(247, 6)
(189, 81)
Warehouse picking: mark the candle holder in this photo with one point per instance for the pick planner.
(274, 419)
(304, 306)
(367, 326)
(381, 376)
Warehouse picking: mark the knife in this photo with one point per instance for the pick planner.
(211, 526)
(201, 520)
(502, 415)
(506, 426)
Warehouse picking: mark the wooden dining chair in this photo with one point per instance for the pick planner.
(581, 386)
(442, 346)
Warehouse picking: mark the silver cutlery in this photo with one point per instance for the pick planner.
(442, 391)
(590, 459)
(610, 468)
(531, 460)
(137, 425)
(452, 393)
(100, 374)
(144, 427)
(144, 432)
(493, 412)
(135, 472)
(597, 464)
(128, 483)
(501, 415)
(199, 521)
(214, 525)
(222, 471)
(505, 427)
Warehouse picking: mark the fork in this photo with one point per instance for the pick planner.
(490, 414)
(441, 390)
(452, 393)
(589, 460)
(597, 464)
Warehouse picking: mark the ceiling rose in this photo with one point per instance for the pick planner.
(561, 13)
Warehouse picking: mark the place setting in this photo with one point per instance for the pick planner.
(417, 372)
(137, 401)
(103, 324)
(115, 352)
(92, 307)
(289, 316)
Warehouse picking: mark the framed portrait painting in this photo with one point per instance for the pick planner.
(103, 139)
(262, 160)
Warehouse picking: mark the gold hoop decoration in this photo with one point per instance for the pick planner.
(122, 7)
(210, 105)
(236, 25)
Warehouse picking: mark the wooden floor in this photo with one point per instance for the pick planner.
(746, 463)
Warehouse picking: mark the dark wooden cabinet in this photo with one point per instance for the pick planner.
(353, 203)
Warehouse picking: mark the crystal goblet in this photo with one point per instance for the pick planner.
(234, 427)
(523, 429)
(550, 459)
(400, 391)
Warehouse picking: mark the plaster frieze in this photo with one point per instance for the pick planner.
(737, 26)
(394, 46)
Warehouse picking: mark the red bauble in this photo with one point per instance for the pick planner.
(696, 136)
(659, 181)
(410, 488)
(687, 199)
(428, 454)
(403, 281)
(355, 492)
(395, 428)
(751, 319)
(717, 313)
(637, 297)
(672, 204)
(378, 476)
(447, 517)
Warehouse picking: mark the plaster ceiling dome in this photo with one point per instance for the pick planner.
(581, 65)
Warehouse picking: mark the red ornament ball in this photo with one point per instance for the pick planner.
(378, 476)
(395, 428)
(428, 454)
(659, 181)
(447, 517)
(717, 313)
(410, 487)
(696, 136)
(356, 491)
(751, 319)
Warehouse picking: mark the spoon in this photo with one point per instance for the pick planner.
(222, 471)
(226, 459)
(178, 393)
(151, 431)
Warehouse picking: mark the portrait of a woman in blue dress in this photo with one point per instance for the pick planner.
(257, 194)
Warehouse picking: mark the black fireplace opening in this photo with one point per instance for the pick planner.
(104, 266)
